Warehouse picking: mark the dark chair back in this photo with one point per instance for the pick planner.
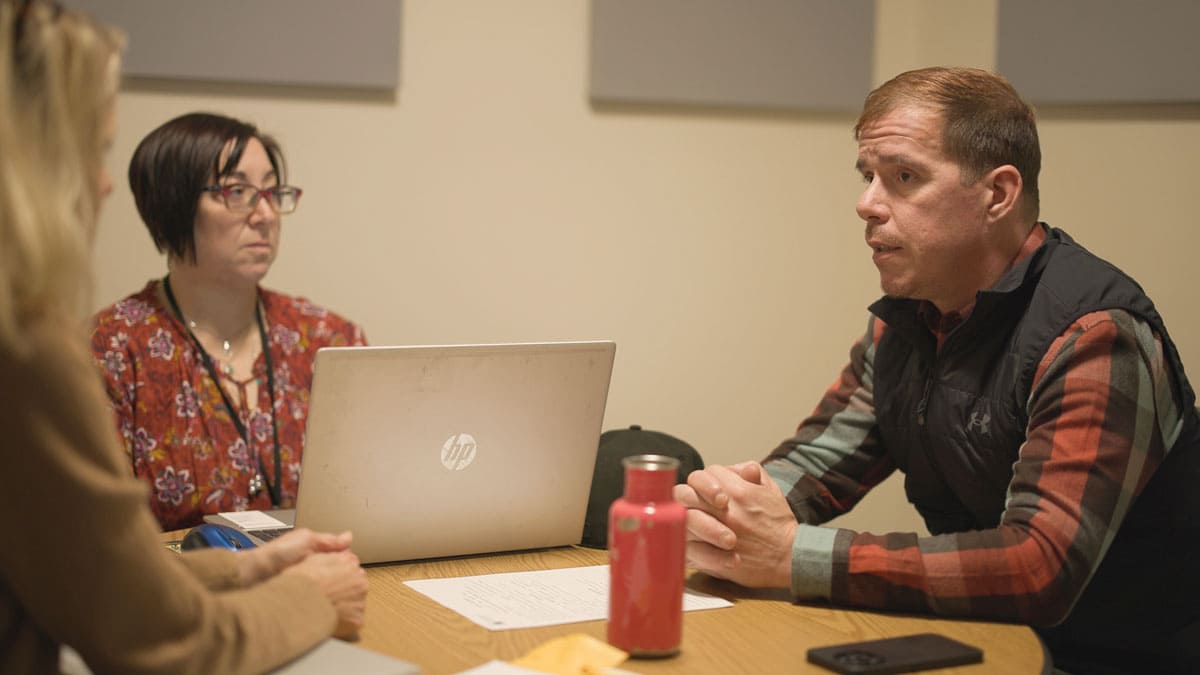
(608, 478)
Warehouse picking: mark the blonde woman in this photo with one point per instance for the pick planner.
(81, 564)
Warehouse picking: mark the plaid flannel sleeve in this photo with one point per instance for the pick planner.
(1101, 419)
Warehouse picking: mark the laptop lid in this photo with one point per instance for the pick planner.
(336, 656)
(433, 451)
(330, 656)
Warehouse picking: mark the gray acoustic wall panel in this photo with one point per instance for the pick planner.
(806, 54)
(1101, 51)
(292, 42)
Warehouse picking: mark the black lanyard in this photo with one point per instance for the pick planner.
(273, 488)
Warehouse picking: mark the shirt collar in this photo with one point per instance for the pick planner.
(942, 324)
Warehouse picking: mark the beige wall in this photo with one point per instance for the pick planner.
(488, 201)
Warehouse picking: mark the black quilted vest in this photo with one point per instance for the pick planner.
(954, 421)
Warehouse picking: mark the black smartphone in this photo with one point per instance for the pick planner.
(895, 655)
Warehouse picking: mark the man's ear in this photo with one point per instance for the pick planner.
(1004, 186)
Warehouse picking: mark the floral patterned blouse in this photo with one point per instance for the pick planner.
(175, 425)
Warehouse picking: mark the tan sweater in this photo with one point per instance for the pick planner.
(80, 558)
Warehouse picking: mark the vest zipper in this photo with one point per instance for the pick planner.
(924, 402)
(930, 374)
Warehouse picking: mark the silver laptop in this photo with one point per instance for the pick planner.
(436, 451)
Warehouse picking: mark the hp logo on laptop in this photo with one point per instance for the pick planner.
(458, 452)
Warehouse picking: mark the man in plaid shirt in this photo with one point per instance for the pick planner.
(1028, 390)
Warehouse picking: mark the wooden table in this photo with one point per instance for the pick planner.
(764, 632)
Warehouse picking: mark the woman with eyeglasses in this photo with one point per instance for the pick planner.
(208, 372)
(81, 562)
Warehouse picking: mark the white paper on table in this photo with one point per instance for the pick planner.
(253, 520)
(531, 599)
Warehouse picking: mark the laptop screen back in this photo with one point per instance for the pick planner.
(436, 451)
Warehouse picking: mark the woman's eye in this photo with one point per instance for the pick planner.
(906, 176)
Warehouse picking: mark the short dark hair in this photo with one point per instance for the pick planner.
(985, 124)
(173, 164)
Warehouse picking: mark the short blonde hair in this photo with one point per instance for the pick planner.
(58, 82)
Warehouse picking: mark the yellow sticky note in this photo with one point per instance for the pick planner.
(575, 654)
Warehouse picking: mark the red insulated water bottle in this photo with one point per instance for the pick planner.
(646, 539)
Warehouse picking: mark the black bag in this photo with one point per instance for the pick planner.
(608, 478)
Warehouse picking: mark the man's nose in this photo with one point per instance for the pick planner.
(871, 206)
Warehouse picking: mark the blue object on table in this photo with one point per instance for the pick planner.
(210, 535)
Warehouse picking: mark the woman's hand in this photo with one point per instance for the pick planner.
(264, 562)
(344, 583)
